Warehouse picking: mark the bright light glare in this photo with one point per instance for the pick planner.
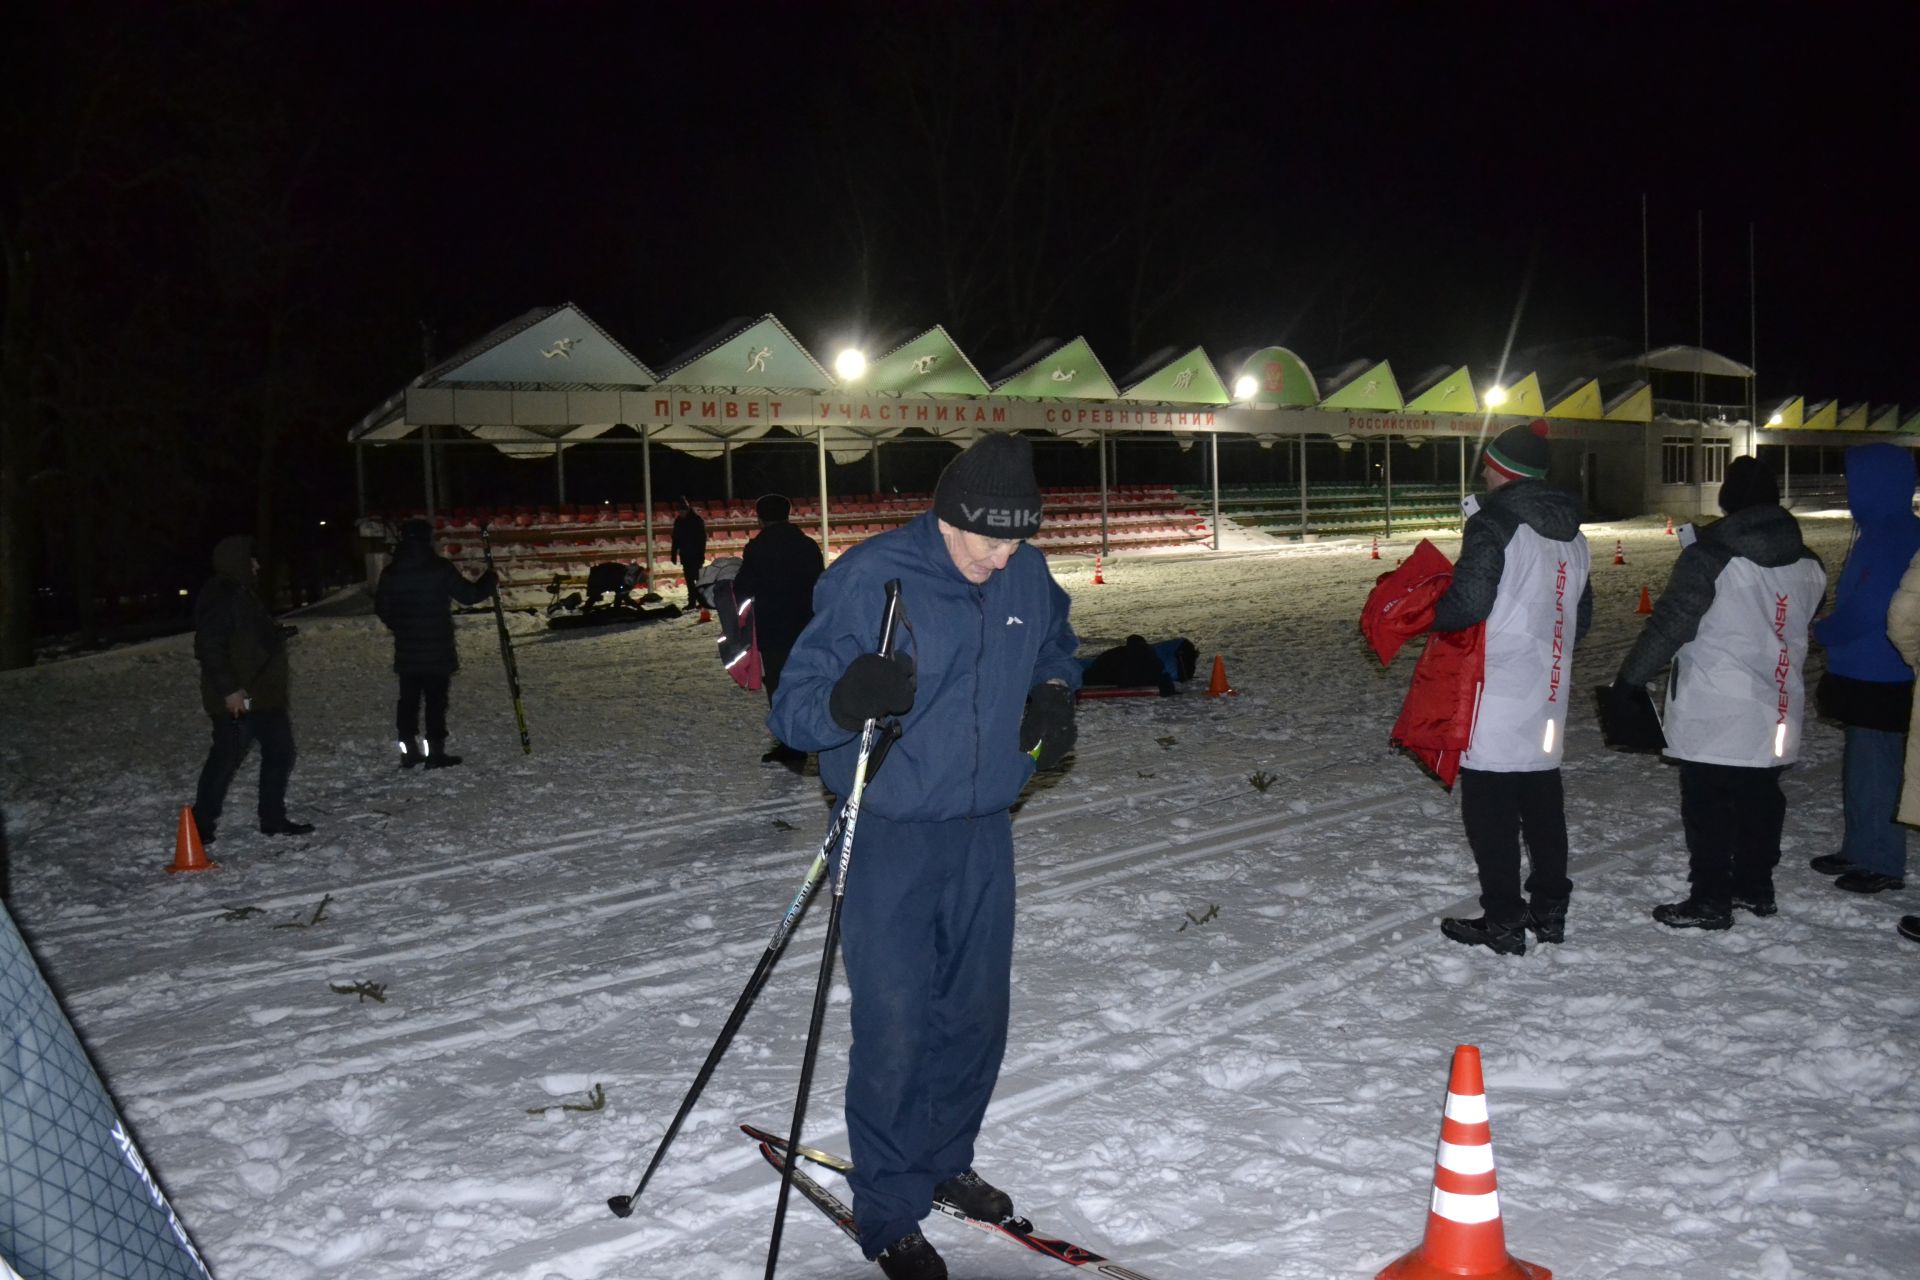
(850, 364)
(1245, 387)
(1775, 420)
(1496, 396)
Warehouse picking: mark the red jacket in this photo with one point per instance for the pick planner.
(1436, 720)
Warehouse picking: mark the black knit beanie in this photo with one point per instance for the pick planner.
(1749, 483)
(1519, 453)
(772, 508)
(416, 530)
(990, 489)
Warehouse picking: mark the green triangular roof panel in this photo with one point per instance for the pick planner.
(1374, 388)
(760, 354)
(1280, 378)
(546, 345)
(1790, 414)
(1853, 418)
(1524, 396)
(1450, 393)
(929, 365)
(1822, 416)
(1635, 404)
(1885, 418)
(1912, 424)
(1582, 402)
(1191, 379)
(1071, 373)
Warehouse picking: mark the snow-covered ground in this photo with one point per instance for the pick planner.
(1256, 1095)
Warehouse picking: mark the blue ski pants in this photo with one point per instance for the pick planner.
(927, 937)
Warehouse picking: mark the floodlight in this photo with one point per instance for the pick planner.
(850, 364)
(1496, 396)
(1775, 420)
(1246, 387)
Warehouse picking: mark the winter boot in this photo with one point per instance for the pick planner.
(974, 1196)
(282, 827)
(911, 1257)
(1759, 904)
(410, 755)
(437, 757)
(1547, 917)
(1860, 881)
(1503, 939)
(1694, 914)
(1831, 864)
(1909, 927)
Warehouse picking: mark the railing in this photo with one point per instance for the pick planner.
(1699, 411)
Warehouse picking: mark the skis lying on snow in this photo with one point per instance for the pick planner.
(1018, 1230)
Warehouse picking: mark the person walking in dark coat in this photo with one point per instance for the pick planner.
(412, 600)
(777, 572)
(689, 549)
(984, 689)
(244, 688)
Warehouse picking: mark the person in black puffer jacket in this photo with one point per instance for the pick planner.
(412, 600)
(244, 688)
(778, 572)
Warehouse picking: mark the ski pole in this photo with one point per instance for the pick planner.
(850, 814)
(506, 643)
(622, 1206)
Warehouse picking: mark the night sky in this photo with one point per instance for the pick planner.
(294, 205)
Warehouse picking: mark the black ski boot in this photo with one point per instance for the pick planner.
(1691, 913)
(911, 1257)
(437, 757)
(1547, 917)
(410, 755)
(1503, 939)
(283, 827)
(974, 1196)
(1757, 903)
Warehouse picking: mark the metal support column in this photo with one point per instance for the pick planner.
(1213, 456)
(646, 495)
(1303, 486)
(1386, 474)
(826, 534)
(876, 468)
(1102, 442)
(359, 481)
(726, 463)
(560, 471)
(426, 466)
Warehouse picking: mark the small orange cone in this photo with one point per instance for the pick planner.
(1464, 1237)
(1376, 550)
(706, 614)
(1669, 526)
(188, 853)
(1646, 602)
(1099, 580)
(1218, 685)
(1619, 552)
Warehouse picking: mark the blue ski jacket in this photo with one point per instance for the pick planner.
(977, 651)
(1880, 485)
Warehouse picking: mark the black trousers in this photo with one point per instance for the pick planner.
(1499, 809)
(406, 715)
(690, 570)
(1733, 816)
(232, 736)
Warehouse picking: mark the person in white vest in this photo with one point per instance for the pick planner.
(1733, 621)
(1523, 572)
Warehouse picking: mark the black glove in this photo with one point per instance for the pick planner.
(872, 687)
(1628, 721)
(1048, 724)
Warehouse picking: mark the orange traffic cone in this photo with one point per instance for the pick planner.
(1376, 550)
(1099, 580)
(1619, 552)
(188, 853)
(1646, 602)
(1669, 526)
(1464, 1236)
(706, 614)
(1218, 685)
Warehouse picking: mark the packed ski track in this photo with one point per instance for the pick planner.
(1233, 1010)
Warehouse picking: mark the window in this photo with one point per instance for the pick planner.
(1714, 456)
(1676, 460)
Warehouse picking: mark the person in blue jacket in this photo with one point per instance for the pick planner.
(1868, 686)
(983, 683)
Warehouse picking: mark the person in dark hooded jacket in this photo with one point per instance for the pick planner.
(777, 572)
(1523, 573)
(689, 549)
(412, 600)
(1733, 622)
(244, 688)
(1868, 686)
